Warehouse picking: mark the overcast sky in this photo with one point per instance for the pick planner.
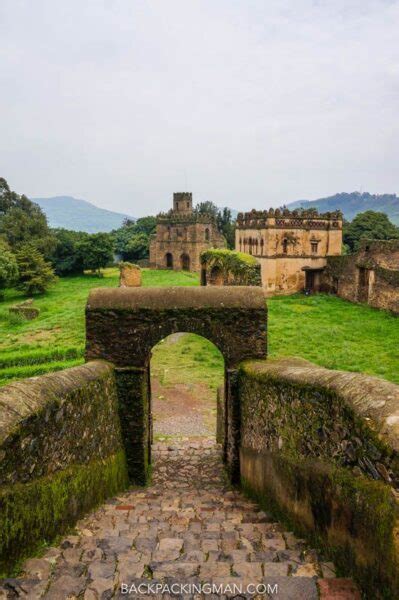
(248, 103)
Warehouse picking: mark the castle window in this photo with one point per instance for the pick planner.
(261, 245)
(314, 246)
(207, 234)
(285, 246)
(188, 204)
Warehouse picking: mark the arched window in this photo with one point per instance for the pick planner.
(207, 235)
(262, 243)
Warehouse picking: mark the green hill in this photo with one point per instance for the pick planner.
(79, 215)
(353, 203)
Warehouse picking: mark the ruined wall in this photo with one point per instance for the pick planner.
(61, 453)
(223, 267)
(371, 275)
(320, 448)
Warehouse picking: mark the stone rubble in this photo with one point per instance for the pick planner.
(188, 526)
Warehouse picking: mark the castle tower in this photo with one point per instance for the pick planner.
(183, 202)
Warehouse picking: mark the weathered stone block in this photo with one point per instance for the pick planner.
(129, 275)
(26, 310)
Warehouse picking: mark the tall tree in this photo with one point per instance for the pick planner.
(369, 225)
(96, 251)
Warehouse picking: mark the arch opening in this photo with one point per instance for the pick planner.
(169, 260)
(185, 262)
(187, 375)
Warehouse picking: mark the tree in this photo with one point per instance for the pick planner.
(207, 208)
(369, 225)
(226, 226)
(132, 240)
(35, 274)
(137, 247)
(66, 257)
(22, 221)
(8, 268)
(95, 251)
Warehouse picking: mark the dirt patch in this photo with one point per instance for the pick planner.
(183, 409)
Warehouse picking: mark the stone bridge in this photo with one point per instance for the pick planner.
(313, 449)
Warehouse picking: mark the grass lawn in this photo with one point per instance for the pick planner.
(326, 330)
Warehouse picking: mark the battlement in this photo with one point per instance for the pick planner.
(172, 217)
(285, 218)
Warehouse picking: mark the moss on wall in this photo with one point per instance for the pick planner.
(61, 453)
(320, 448)
(32, 514)
(236, 268)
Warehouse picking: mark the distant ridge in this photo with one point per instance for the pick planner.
(79, 215)
(353, 203)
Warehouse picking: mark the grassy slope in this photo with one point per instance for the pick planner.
(56, 339)
(325, 330)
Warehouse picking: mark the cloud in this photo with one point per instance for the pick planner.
(247, 104)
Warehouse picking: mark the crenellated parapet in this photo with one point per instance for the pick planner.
(173, 217)
(285, 218)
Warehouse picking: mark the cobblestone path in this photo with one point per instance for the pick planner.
(189, 526)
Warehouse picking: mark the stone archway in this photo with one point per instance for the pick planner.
(185, 262)
(124, 324)
(169, 260)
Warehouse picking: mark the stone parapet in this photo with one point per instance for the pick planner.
(321, 449)
(61, 453)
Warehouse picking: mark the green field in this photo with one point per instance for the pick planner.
(323, 329)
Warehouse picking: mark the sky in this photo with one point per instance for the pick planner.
(246, 103)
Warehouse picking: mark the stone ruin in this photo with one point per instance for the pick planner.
(129, 275)
(25, 309)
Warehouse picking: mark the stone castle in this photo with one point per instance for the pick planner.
(291, 246)
(181, 235)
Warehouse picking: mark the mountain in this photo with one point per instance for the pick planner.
(79, 215)
(354, 203)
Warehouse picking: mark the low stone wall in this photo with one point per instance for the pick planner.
(61, 453)
(321, 449)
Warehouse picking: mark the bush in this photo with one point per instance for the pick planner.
(35, 274)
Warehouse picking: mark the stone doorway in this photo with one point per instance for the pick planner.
(169, 260)
(124, 324)
(185, 262)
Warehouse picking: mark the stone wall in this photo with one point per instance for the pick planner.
(321, 449)
(61, 453)
(371, 275)
(228, 267)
